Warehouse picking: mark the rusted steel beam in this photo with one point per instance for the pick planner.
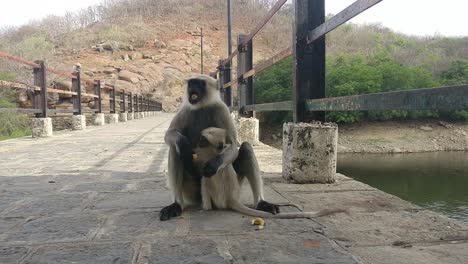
(278, 106)
(346, 14)
(257, 29)
(19, 60)
(441, 98)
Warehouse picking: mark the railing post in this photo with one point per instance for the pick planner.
(76, 84)
(244, 64)
(136, 103)
(97, 100)
(141, 103)
(309, 60)
(112, 100)
(225, 77)
(40, 97)
(122, 103)
(130, 103)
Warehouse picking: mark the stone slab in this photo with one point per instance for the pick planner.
(112, 118)
(42, 127)
(442, 253)
(302, 248)
(56, 228)
(47, 205)
(123, 117)
(12, 254)
(78, 122)
(136, 225)
(388, 227)
(189, 250)
(132, 200)
(99, 119)
(83, 253)
(310, 152)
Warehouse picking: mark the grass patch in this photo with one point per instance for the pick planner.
(12, 125)
(377, 141)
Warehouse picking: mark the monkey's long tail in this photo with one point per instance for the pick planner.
(236, 206)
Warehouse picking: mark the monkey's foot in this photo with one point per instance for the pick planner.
(268, 207)
(169, 211)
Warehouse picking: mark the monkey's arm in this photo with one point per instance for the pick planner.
(176, 139)
(230, 153)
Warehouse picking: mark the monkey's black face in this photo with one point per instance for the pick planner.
(196, 90)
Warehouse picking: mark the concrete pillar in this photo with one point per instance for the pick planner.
(123, 117)
(130, 116)
(309, 152)
(42, 127)
(79, 122)
(98, 119)
(248, 130)
(112, 118)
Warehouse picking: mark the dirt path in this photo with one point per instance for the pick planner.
(390, 137)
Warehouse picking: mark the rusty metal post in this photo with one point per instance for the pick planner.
(136, 103)
(122, 103)
(130, 103)
(40, 97)
(225, 77)
(76, 84)
(112, 100)
(245, 86)
(98, 100)
(141, 103)
(309, 60)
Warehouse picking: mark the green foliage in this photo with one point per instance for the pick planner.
(12, 125)
(353, 74)
(34, 47)
(4, 76)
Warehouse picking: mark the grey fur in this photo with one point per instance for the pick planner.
(188, 123)
(222, 190)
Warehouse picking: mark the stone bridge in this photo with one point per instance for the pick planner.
(93, 196)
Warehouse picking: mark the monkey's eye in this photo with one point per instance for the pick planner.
(203, 142)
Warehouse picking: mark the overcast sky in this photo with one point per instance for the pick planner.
(416, 17)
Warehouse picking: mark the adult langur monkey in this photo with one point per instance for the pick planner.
(222, 191)
(202, 108)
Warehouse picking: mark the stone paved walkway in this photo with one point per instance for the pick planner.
(93, 197)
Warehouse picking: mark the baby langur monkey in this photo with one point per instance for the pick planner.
(222, 190)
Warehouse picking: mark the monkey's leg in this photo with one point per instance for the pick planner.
(175, 179)
(206, 198)
(246, 165)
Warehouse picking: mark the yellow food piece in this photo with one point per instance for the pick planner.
(260, 227)
(194, 156)
(258, 221)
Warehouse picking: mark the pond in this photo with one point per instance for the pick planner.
(436, 180)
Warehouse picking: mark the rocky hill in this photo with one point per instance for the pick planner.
(139, 52)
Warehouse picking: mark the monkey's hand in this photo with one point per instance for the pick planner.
(212, 166)
(184, 150)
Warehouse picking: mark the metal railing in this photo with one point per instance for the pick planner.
(308, 89)
(127, 101)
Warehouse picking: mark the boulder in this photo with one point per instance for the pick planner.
(136, 56)
(128, 87)
(129, 76)
(125, 57)
(159, 44)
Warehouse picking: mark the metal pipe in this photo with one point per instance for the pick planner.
(229, 27)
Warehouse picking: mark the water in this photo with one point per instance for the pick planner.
(437, 181)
